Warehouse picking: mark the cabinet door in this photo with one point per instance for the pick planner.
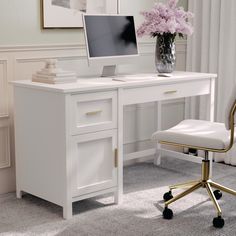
(93, 162)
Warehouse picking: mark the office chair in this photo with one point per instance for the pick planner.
(209, 137)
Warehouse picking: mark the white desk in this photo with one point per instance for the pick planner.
(67, 135)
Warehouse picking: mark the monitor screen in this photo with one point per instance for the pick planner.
(110, 35)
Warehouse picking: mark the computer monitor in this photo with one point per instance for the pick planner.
(110, 40)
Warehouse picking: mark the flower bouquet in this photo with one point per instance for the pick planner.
(165, 21)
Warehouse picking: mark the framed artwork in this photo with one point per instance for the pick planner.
(68, 13)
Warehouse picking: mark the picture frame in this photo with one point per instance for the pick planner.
(67, 14)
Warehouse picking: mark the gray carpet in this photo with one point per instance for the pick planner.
(140, 213)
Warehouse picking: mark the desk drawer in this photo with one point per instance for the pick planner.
(166, 92)
(93, 112)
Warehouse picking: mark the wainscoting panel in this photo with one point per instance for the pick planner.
(4, 142)
(3, 87)
(4, 115)
(20, 62)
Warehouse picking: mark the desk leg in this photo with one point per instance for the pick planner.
(67, 211)
(190, 104)
(211, 115)
(119, 193)
(19, 193)
(157, 158)
(211, 102)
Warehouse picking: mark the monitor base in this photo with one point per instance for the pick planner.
(109, 71)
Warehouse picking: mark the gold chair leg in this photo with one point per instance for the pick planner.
(186, 192)
(222, 188)
(183, 185)
(212, 196)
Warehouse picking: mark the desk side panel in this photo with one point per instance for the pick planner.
(40, 143)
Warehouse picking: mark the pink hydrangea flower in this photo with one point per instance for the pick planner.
(166, 19)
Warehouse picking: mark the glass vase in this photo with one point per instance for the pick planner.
(165, 58)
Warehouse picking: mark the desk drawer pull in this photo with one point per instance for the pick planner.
(170, 92)
(116, 158)
(91, 113)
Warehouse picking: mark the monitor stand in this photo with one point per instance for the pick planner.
(108, 71)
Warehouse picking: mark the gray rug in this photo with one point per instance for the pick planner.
(140, 213)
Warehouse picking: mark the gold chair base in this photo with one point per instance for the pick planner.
(205, 182)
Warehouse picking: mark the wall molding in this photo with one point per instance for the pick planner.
(147, 46)
(73, 51)
(39, 47)
(27, 59)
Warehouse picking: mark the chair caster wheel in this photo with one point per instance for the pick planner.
(218, 194)
(218, 222)
(167, 196)
(167, 213)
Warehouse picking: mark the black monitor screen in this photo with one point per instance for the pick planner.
(109, 35)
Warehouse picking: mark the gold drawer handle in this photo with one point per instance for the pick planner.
(170, 92)
(91, 113)
(116, 158)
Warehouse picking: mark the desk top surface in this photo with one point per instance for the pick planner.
(85, 84)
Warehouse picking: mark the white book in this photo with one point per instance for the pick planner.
(53, 76)
(57, 74)
(53, 80)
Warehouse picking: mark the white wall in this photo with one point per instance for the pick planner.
(24, 46)
(20, 22)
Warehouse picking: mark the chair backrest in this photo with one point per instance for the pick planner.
(230, 110)
(230, 117)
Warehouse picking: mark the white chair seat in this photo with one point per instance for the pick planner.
(196, 133)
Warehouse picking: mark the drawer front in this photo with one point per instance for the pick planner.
(93, 112)
(166, 92)
(93, 162)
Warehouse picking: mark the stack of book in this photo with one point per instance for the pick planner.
(51, 74)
